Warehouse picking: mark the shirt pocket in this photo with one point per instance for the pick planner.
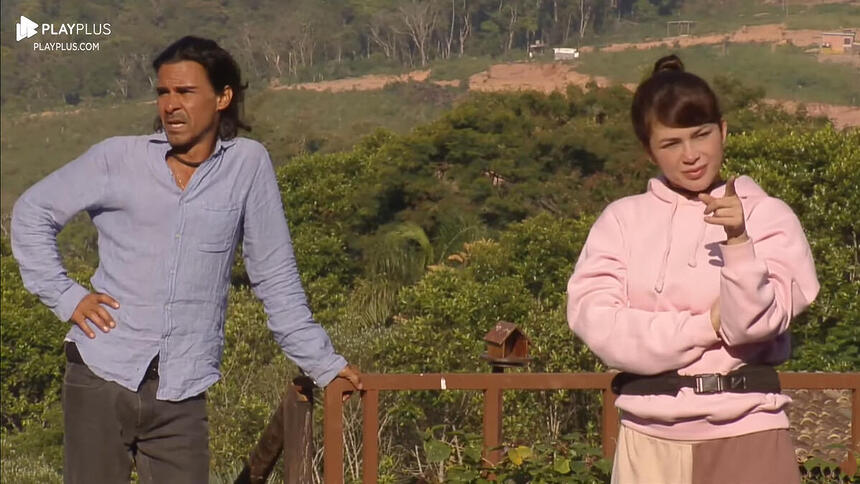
(212, 227)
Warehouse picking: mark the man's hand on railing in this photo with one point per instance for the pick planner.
(353, 374)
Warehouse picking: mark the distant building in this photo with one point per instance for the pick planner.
(681, 28)
(536, 48)
(565, 53)
(844, 42)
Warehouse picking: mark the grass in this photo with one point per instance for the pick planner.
(461, 68)
(288, 122)
(455, 68)
(710, 17)
(826, 17)
(729, 16)
(362, 66)
(785, 72)
(20, 468)
(34, 455)
(293, 122)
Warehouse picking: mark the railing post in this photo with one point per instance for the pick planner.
(298, 432)
(850, 464)
(493, 405)
(370, 437)
(609, 423)
(507, 347)
(492, 425)
(333, 431)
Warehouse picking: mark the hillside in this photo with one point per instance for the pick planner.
(308, 40)
(411, 245)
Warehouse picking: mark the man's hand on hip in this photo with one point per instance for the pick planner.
(90, 309)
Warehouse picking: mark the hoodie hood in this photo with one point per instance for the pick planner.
(745, 186)
(747, 189)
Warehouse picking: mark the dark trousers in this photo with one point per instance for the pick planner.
(108, 428)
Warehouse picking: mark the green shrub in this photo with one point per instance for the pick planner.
(31, 359)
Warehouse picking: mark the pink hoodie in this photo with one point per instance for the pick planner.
(641, 294)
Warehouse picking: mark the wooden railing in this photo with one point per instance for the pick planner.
(491, 385)
(294, 416)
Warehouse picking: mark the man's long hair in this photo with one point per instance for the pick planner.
(222, 71)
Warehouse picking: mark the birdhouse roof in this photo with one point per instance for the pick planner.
(502, 331)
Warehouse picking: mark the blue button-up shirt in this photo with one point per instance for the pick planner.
(166, 254)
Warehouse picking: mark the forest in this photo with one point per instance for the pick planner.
(279, 42)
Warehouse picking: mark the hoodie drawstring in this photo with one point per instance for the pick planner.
(699, 240)
(658, 286)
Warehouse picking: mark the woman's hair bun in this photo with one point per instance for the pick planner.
(668, 63)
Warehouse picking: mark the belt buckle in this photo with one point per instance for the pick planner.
(708, 383)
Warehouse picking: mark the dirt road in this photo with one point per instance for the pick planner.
(548, 77)
(770, 34)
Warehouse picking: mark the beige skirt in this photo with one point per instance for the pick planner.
(758, 458)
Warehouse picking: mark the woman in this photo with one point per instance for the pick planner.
(689, 289)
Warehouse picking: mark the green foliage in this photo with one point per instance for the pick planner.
(31, 360)
(542, 250)
(411, 246)
(254, 375)
(570, 459)
(817, 471)
(505, 157)
(827, 17)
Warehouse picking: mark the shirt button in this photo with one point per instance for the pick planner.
(178, 236)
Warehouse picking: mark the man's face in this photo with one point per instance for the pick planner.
(189, 107)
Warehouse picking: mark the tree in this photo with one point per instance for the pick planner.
(419, 19)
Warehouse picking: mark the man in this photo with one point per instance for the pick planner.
(170, 209)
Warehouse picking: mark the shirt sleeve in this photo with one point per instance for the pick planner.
(768, 279)
(39, 215)
(274, 276)
(625, 338)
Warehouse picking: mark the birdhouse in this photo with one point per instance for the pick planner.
(507, 345)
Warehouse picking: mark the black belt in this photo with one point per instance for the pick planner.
(74, 356)
(746, 379)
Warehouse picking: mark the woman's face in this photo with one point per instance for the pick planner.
(690, 158)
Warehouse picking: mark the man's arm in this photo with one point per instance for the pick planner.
(271, 266)
(39, 215)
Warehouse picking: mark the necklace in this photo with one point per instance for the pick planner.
(181, 181)
(178, 179)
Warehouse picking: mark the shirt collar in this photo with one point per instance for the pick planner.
(160, 137)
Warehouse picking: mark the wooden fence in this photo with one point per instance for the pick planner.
(292, 422)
